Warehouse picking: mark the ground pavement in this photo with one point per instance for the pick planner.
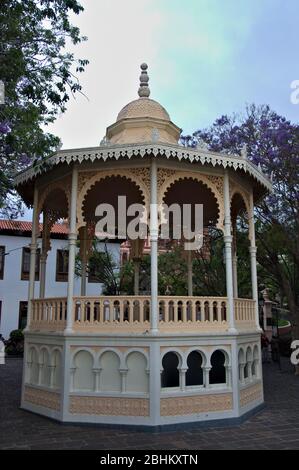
(275, 427)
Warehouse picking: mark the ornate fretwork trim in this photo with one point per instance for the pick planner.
(237, 189)
(107, 406)
(214, 183)
(115, 152)
(91, 179)
(42, 398)
(196, 404)
(250, 394)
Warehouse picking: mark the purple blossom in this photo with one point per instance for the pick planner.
(4, 127)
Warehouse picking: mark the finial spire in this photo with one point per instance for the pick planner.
(144, 90)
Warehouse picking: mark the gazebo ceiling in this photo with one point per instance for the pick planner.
(189, 191)
(104, 192)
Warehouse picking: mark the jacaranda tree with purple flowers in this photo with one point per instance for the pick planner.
(39, 76)
(273, 143)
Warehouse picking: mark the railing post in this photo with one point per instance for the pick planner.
(72, 251)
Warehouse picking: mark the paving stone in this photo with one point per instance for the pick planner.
(275, 427)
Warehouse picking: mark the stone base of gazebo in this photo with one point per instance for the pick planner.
(96, 378)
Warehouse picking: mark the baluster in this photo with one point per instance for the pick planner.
(91, 315)
(218, 314)
(63, 312)
(121, 310)
(166, 311)
(175, 311)
(111, 311)
(130, 311)
(101, 311)
(193, 311)
(184, 311)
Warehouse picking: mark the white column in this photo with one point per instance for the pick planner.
(190, 273)
(43, 257)
(154, 249)
(136, 276)
(72, 251)
(83, 261)
(33, 248)
(206, 376)
(235, 262)
(228, 254)
(252, 250)
(182, 373)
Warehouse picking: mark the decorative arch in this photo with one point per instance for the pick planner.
(83, 365)
(171, 364)
(213, 183)
(63, 185)
(226, 352)
(139, 350)
(55, 361)
(119, 354)
(219, 367)
(137, 377)
(236, 189)
(77, 350)
(110, 365)
(200, 351)
(52, 215)
(88, 180)
(195, 363)
(33, 365)
(44, 360)
(241, 355)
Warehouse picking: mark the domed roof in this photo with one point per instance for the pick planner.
(143, 120)
(143, 108)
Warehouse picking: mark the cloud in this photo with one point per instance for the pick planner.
(206, 58)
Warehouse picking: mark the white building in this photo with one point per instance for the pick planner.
(15, 238)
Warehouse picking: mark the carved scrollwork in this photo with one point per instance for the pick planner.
(91, 179)
(51, 214)
(214, 183)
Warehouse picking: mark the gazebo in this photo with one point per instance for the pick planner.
(146, 360)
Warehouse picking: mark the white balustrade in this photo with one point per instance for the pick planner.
(132, 313)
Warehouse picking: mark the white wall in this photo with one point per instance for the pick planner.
(13, 290)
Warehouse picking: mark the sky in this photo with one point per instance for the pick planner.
(206, 58)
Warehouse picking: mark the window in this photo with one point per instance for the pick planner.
(62, 265)
(23, 315)
(26, 264)
(2, 259)
(170, 376)
(194, 374)
(218, 370)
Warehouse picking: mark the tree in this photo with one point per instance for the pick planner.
(272, 142)
(103, 268)
(39, 75)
